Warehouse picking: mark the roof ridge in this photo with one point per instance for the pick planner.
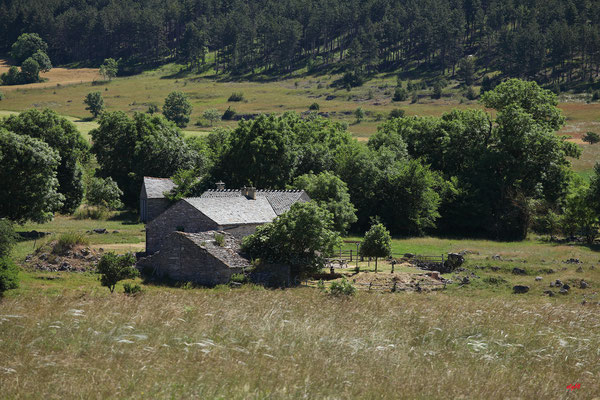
(154, 177)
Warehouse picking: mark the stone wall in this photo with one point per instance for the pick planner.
(155, 207)
(240, 231)
(182, 260)
(180, 217)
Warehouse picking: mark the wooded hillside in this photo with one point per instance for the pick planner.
(547, 40)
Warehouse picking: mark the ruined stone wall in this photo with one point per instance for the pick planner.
(183, 261)
(180, 217)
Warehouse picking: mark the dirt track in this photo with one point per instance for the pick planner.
(62, 76)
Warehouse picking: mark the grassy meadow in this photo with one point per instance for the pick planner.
(62, 335)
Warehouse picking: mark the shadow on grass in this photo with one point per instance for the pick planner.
(128, 217)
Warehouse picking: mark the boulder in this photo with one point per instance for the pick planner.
(538, 278)
(550, 293)
(100, 230)
(453, 261)
(583, 284)
(518, 289)
(563, 291)
(519, 271)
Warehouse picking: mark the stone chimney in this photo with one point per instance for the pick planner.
(220, 185)
(244, 191)
(251, 193)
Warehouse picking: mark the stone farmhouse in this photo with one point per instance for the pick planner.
(152, 197)
(196, 257)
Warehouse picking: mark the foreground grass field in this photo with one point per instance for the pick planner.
(299, 343)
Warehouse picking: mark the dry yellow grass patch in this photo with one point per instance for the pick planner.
(62, 76)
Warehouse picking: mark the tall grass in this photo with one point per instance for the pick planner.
(298, 343)
(67, 241)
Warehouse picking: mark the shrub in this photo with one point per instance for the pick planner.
(236, 96)
(470, 94)
(596, 95)
(359, 113)
(114, 268)
(414, 98)
(67, 241)
(211, 115)
(314, 107)
(130, 289)
(7, 237)
(152, 109)
(86, 212)
(1, 96)
(229, 114)
(238, 278)
(591, 137)
(342, 288)
(220, 239)
(103, 193)
(400, 94)
(9, 275)
(437, 90)
(321, 285)
(397, 113)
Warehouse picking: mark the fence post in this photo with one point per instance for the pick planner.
(350, 255)
(370, 283)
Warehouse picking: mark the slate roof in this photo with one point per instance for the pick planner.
(156, 187)
(280, 200)
(235, 210)
(229, 253)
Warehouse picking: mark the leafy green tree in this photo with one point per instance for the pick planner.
(591, 137)
(127, 149)
(177, 108)
(579, 216)
(212, 115)
(43, 60)
(376, 243)
(95, 103)
(114, 268)
(438, 89)
(63, 136)
(302, 238)
(29, 179)
(12, 77)
(103, 193)
(26, 46)
(330, 193)
(400, 94)
(109, 68)
(187, 184)
(30, 71)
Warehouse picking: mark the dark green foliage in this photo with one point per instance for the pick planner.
(114, 268)
(342, 288)
(470, 94)
(9, 275)
(302, 238)
(104, 193)
(314, 107)
(580, 216)
(229, 114)
(596, 95)
(220, 239)
(95, 103)
(400, 94)
(153, 109)
(437, 90)
(8, 237)
(12, 77)
(177, 108)
(331, 193)
(187, 184)
(30, 71)
(591, 137)
(466, 70)
(43, 60)
(237, 96)
(359, 113)
(127, 149)
(26, 46)
(63, 136)
(376, 243)
(397, 113)
(130, 289)
(28, 176)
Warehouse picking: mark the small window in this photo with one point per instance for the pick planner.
(180, 229)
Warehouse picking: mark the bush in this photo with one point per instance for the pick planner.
(437, 90)
(238, 278)
(177, 108)
(67, 241)
(152, 109)
(314, 107)
(130, 289)
(114, 268)
(342, 288)
(359, 113)
(470, 94)
(12, 77)
(1, 96)
(97, 213)
(591, 137)
(397, 113)
(229, 114)
(596, 95)
(220, 239)
(8, 237)
(9, 275)
(236, 96)
(103, 193)
(400, 94)
(211, 115)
